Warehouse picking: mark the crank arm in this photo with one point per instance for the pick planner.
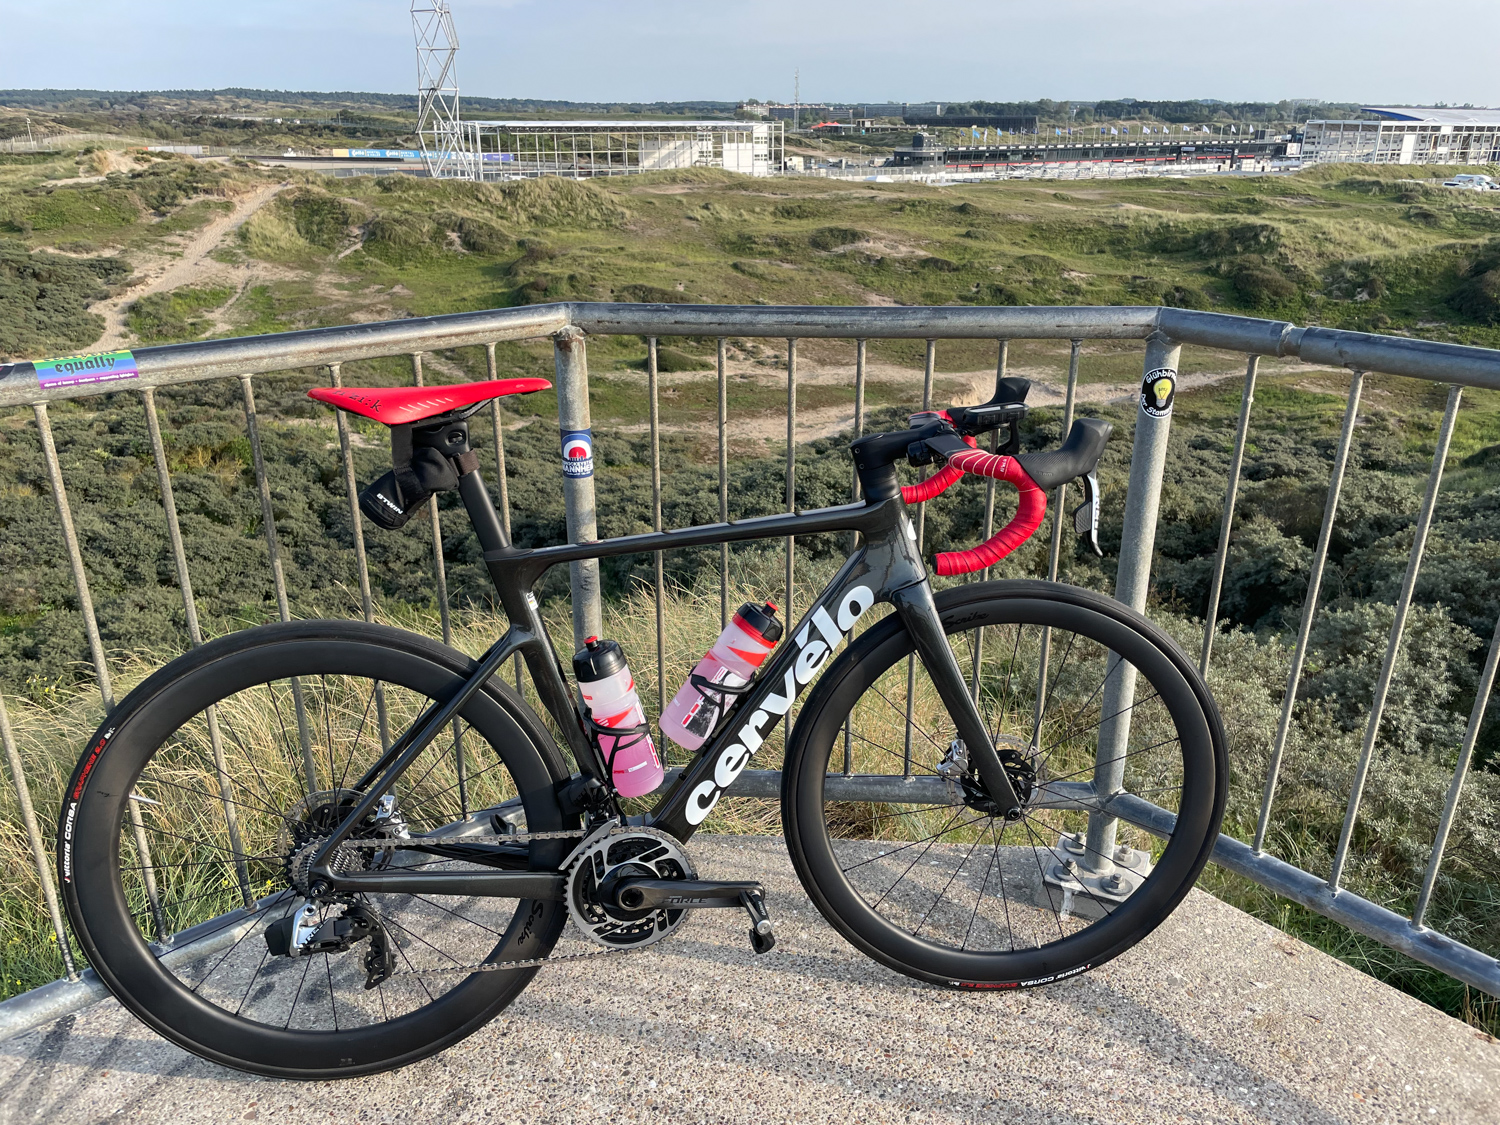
(652, 894)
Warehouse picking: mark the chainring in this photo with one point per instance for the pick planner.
(640, 852)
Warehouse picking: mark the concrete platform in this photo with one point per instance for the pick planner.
(1215, 1017)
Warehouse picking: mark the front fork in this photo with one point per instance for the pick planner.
(918, 612)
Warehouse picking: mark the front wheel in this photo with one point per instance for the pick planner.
(192, 819)
(897, 843)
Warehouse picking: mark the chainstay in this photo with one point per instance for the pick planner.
(501, 966)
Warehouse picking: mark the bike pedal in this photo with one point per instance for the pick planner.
(762, 932)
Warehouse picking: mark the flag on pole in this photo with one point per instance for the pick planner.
(1113, 132)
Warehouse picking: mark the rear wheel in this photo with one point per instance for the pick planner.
(214, 783)
(909, 860)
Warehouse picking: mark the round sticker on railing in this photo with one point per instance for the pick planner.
(578, 453)
(1157, 391)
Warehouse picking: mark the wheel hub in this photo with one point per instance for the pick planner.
(1019, 760)
(307, 826)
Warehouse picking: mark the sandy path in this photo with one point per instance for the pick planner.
(830, 421)
(193, 267)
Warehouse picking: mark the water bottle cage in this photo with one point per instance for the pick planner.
(708, 687)
(625, 738)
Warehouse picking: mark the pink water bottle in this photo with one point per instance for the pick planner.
(731, 663)
(608, 691)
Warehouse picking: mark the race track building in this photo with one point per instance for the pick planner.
(1407, 135)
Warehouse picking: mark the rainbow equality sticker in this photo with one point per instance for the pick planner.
(76, 370)
(578, 453)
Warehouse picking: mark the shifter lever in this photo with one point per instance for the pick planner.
(1086, 515)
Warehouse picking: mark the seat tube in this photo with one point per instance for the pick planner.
(1147, 460)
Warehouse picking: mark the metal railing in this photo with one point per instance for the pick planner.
(1163, 332)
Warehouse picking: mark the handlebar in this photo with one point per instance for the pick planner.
(1031, 508)
(1032, 474)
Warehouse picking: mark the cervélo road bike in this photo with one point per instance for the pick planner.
(329, 848)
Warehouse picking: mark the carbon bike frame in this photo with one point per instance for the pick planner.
(886, 568)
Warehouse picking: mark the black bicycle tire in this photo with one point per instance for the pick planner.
(822, 718)
(88, 861)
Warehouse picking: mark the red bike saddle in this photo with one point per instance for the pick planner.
(398, 405)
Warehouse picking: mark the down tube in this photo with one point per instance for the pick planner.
(858, 586)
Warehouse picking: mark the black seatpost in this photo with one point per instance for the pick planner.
(481, 509)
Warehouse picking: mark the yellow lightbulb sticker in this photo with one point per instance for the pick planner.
(1162, 388)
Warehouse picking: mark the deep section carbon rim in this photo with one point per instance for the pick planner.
(220, 787)
(939, 885)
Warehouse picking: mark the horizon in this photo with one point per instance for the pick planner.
(672, 51)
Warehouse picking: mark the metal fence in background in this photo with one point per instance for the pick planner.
(1162, 332)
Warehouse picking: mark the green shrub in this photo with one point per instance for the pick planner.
(320, 218)
(45, 298)
(397, 237)
(1478, 292)
(164, 318)
(670, 360)
(1259, 285)
(647, 295)
(831, 238)
(481, 237)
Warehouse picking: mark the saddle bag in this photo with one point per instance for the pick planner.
(415, 476)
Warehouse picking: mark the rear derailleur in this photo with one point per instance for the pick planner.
(301, 934)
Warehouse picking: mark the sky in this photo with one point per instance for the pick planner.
(1371, 51)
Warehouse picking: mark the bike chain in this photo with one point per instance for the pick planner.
(508, 838)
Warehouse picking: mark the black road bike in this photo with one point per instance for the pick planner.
(330, 848)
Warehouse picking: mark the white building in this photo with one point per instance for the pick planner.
(584, 149)
(1407, 135)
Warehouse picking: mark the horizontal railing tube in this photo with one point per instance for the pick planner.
(286, 351)
(849, 322)
(171, 364)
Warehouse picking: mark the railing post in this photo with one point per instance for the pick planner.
(1148, 456)
(440, 581)
(1460, 772)
(195, 634)
(791, 474)
(502, 485)
(570, 361)
(929, 364)
(75, 556)
(361, 560)
(1309, 608)
(723, 359)
(1398, 627)
(1001, 362)
(1226, 525)
(660, 583)
(278, 578)
(1059, 500)
(34, 839)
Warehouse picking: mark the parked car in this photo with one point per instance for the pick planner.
(1472, 183)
